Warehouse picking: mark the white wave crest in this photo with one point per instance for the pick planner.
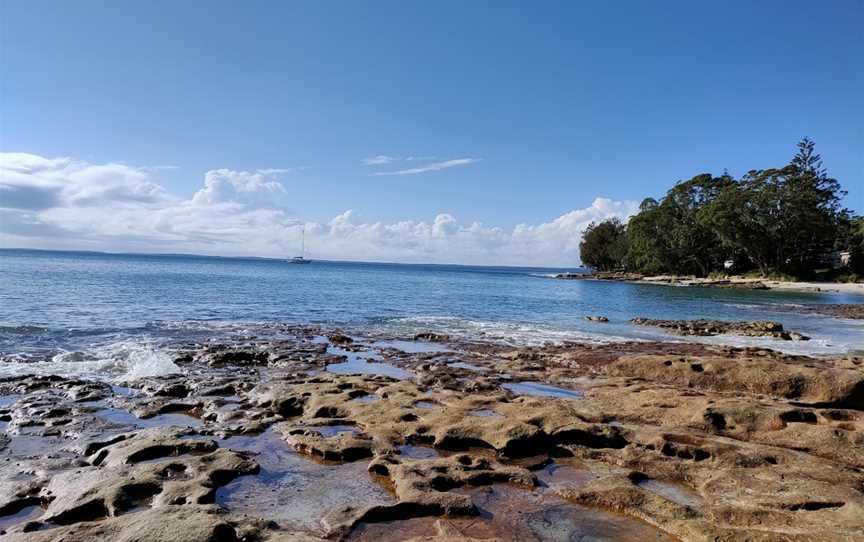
(139, 359)
(124, 360)
(514, 333)
(530, 334)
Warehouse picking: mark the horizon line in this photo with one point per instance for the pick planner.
(275, 259)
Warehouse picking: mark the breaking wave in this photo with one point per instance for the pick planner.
(515, 333)
(124, 360)
(529, 334)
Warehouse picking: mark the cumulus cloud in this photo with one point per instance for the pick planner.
(70, 204)
(434, 166)
(225, 185)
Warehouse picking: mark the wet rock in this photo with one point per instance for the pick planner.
(727, 283)
(850, 311)
(595, 318)
(342, 447)
(167, 524)
(178, 390)
(221, 358)
(702, 442)
(432, 337)
(146, 445)
(600, 275)
(338, 338)
(151, 469)
(424, 483)
(707, 328)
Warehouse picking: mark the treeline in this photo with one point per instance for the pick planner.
(786, 220)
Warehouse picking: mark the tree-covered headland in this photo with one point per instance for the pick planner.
(786, 221)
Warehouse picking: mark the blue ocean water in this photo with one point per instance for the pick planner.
(73, 304)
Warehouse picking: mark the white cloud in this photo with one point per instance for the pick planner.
(434, 166)
(276, 171)
(379, 160)
(383, 159)
(255, 189)
(63, 203)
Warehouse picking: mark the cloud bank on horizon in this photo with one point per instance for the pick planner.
(63, 203)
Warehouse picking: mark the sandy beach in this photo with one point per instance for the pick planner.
(832, 287)
(727, 282)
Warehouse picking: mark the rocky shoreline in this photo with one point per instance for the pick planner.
(731, 282)
(318, 435)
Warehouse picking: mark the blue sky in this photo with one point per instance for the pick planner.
(545, 106)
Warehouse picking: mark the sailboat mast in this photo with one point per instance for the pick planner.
(303, 241)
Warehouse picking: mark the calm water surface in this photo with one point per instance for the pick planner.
(104, 312)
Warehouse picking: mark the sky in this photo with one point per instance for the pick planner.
(482, 132)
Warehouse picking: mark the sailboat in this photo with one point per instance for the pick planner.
(300, 259)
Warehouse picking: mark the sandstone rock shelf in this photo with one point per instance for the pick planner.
(256, 440)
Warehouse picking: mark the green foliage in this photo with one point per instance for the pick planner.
(604, 245)
(672, 236)
(853, 240)
(780, 220)
(773, 275)
(783, 219)
(646, 252)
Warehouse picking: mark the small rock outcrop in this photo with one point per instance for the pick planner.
(708, 328)
(432, 337)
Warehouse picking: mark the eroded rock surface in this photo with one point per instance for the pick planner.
(258, 440)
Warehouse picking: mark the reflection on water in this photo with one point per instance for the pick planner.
(540, 389)
(26, 514)
(123, 417)
(676, 493)
(328, 431)
(412, 347)
(418, 452)
(293, 490)
(512, 513)
(359, 363)
(484, 413)
(467, 366)
(371, 398)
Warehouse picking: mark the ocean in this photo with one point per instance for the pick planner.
(115, 316)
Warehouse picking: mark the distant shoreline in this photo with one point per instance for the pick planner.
(733, 282)
(552, 269)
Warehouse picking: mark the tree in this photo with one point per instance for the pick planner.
(672, 236)
(784, 219)
(647, 250)
(814, 216)
(604, 245)
(853, 240)
(744, 217)
(695, 246)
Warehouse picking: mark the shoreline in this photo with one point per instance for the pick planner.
(856, 288)
(313, 434)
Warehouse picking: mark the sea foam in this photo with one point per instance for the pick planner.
(113, 362)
